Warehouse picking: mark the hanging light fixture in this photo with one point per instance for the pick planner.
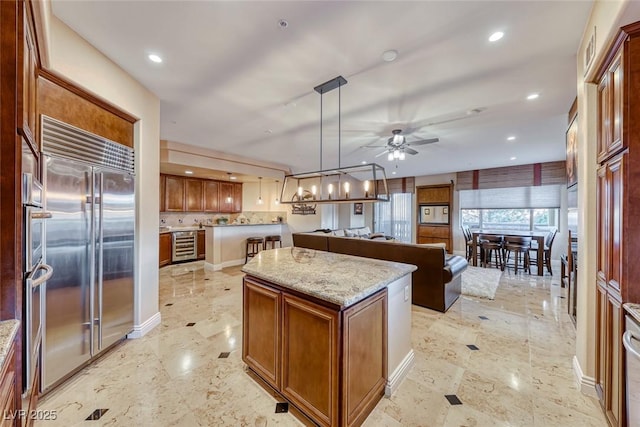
(260, 201)
(342, 184)
(277, 197)
(229, 199)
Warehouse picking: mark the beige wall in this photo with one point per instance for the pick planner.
(74, 58)
(606, 18)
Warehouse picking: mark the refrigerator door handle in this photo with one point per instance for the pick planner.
(33, 283)
(41, 215)
(628, 344)
(98, 318)
(92, 281)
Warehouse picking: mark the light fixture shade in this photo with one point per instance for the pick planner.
(390, 156)
(401, 156)
(340, 185)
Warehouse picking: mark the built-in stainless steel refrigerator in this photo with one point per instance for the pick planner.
(88, 303)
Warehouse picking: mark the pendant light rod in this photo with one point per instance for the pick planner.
(339, 125)
(321, 131)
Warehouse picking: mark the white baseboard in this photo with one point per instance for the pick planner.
(141, 330)
(586, 384)
(218, 267)
(394, 380)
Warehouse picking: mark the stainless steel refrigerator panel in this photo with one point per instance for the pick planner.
(66, 338)
(115, 218)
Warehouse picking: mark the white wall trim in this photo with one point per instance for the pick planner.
(586, 384)
(218, 267)
(394, 380)
(141, 330)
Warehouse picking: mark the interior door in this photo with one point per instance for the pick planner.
(115, 217)
(68, 249)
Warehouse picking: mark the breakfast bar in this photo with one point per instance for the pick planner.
(316, 330)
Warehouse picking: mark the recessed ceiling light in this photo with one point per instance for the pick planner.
(389, 55)
(155, 58)
(513, 158)
(283, 24)
(268, 131)
(364, 162)
(233, 177)
(533, 96)
(393, 173)
(511, 138)
(496, 36)
(189, 172)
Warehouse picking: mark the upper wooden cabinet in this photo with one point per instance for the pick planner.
(435, 197)
(434, 194)
(610, 113)
(211, 196)
(174, 194)
(179, 194)
(27, 113)
(194, 195)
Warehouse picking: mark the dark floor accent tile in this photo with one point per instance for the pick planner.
(282, 407)
(168, 305)
(453, 399)
(472, 347)
(223, 355)
(484, 317)
(95, 415)
(227, 289)
(206, 278)
(190, 324)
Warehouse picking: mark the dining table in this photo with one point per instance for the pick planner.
(538, 236)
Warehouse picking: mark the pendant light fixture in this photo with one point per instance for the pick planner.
(277, 197)
(260, 201)
(229, 199)
(360, 183)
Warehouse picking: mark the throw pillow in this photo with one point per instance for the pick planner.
(374, 235)
(363, 231)
(350, 233)
(339, 233)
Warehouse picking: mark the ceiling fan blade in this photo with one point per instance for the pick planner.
(372, 146)
(410, 150)
(382, 153)
(425, 141)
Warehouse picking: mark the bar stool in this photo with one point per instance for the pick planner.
(491, 244)
(254, 244)
(271, 240)
(520, 246)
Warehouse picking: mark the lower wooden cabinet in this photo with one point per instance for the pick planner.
(166, 242)
(9, 397)
(330, 363)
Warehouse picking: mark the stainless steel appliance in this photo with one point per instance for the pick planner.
(185, 246)
(631, 341)
(36, 275)
(88, 302)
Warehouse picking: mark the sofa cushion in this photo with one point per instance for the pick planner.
(350, 233)
(363, 231)
(339, 233)
(454, 265)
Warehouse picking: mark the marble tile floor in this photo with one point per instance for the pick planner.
(520, 375)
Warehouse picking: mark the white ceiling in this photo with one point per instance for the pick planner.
(233, 80)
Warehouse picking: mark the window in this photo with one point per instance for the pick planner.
(394, 218)
(511, 219)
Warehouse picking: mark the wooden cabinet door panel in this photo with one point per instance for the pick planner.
(602, 261)
(201, 244)
(165, 249)
(364, 342)
(614, 391)
(604, 118)
(601, 339)
(615, 178)
(226, 197)
(616, 93)
(237, 197)
(261, 320)
(27, 119)
(434, 195)
(193, 195)
(432, 231)
(310, 358)
(162, 192)
(211, 196)
(174, 194)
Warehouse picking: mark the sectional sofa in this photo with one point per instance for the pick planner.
(437, 282)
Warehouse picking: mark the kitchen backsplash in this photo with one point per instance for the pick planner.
(176, 219)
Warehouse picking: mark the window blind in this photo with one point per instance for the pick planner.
(530, 197)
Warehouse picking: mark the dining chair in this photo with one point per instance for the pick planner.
(519, 246)
(468, 238)
(491, 244)
(548, 244)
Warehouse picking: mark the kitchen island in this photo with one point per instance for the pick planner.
(316, 330)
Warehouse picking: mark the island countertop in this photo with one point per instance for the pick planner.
(336, 278)
(8, 331)
(633, 310)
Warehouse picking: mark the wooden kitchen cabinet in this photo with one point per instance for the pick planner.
(617, 278)
(163, 180)
(237, 197)
(211, 196)
(227, 195)
(430, 196)
(166, 243)
(174, 194)
(201, 244)
(194, 195)
(27, 112)
(9, 397)
(331, 363)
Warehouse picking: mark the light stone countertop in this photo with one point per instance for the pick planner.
(336, 278)
(8, 331)
(172, 229)
(633, 310)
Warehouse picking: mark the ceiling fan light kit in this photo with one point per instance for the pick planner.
(363, 183)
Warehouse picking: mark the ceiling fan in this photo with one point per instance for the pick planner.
(397, 146)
